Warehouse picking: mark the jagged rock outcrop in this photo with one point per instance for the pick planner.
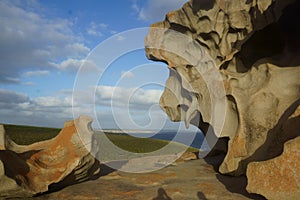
(234, 72)
(61, 161)
(278, 178)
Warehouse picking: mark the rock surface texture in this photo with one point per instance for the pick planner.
(244, 42)
(191, 180)
(234, 73)
(278, 178)
(47, 165)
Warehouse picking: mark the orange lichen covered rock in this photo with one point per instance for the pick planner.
(278, 178)
(187, 156)
(61, 161)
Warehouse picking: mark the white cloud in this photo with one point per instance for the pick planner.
(122, 97)
(149, 97)
(155, 10)
(120, 38)
(95, 29)
(53, 102)
(73, 65)
(77, 50)
(70, 64)
(28, 83)
(30, 40)
(8, 96)
(103, 25)
(53, 111)
(93, 32)
(19, 108)
(135, 7)
(37, 73)
(113, 32)
(130, 108)
(127, 74)
(9, 80)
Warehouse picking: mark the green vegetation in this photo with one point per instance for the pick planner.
(137, 145)
(141, 145)
(25, 135)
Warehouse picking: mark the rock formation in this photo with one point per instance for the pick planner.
(278, 178)
(225, 36)
(234, 73)
(52, 164)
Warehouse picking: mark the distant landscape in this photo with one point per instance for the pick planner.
(25, 135)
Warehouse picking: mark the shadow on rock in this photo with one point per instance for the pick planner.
(105, 170)
(201, 196)
(14, 164)
(72, 179)
(237, 185)
(215, 161)
(232, 184)
(162, 195)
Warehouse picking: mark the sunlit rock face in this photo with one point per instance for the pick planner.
(234, 71)
(26, 170)
(277, 178)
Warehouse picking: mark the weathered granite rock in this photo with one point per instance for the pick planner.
(192, 180)
(236, 62)
(278, 178)
(51, 164)
(9, 187)
(186, 156)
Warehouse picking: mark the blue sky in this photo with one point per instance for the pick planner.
(44, 43)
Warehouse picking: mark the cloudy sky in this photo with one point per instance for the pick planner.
(44, 43)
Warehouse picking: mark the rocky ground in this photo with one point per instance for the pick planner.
(195, 179)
